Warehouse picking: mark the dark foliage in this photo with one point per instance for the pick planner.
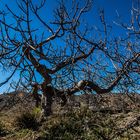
(27, 121)
(2, 130)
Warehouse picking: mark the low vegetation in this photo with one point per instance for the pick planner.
(78, 120)
(2, 129)
(27, 120)
(77, 124)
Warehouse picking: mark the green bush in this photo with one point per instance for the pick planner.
(27, 120)
(37, 111)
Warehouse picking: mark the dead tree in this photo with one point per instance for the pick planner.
(57, 54)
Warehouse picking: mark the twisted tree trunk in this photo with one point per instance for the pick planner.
(46, 102)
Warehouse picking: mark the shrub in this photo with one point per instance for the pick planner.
(2, 130)
(37, 112)
(79, 124)
(27, 120)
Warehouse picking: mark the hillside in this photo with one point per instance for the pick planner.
(87, 116)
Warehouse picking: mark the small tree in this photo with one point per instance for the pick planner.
(67, 54)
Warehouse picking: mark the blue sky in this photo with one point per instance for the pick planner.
(112, 9)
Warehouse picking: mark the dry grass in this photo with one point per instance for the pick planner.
(70, 124)
(77, 124)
